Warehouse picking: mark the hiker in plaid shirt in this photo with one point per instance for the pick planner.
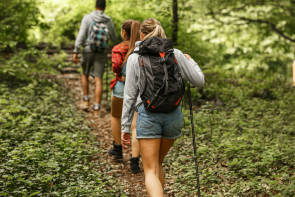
(120, 54)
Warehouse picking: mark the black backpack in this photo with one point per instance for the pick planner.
(161, 85)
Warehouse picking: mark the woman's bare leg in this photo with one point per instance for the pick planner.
(150, 150)
(98, 89)
(116, 127)
(166, 144)
(85, 84)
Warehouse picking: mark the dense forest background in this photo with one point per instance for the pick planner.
(244, 115)
(232, 34)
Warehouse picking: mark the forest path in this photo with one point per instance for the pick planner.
(133, 184)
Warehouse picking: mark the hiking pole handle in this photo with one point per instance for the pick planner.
(193, 136)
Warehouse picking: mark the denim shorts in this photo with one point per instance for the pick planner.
(118, 90)
(158, 125)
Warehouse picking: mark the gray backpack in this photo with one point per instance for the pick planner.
(98, 36)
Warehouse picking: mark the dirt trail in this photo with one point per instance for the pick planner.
(100, 124)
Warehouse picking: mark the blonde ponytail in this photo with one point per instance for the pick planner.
(152, 28)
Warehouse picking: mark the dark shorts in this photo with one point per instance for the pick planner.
(93, 63)
(158, 125)
(116, 107)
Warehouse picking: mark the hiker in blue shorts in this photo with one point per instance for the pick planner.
(120, 54)
(95, 31)
(154, 87)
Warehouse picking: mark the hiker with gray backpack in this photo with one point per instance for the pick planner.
(95, 31)
(154, 87)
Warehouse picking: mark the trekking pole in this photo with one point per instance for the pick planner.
(107, 79)
(294, 73)
(193, 136)
(182, 108)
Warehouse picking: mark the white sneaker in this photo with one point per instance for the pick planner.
(96, 107)
(85, 103)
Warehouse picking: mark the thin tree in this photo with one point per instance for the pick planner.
(175, 22)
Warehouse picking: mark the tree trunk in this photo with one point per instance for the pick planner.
(175, 22)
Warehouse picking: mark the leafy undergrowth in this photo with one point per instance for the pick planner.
(45, 147)
(245, 138)
(245, 128)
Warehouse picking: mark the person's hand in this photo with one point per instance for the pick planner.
(75, 58)
(187, 56)
(125, 138)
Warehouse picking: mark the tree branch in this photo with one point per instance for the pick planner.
(271, 25)
(260, 21)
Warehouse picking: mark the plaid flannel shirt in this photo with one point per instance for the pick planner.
(118, 56)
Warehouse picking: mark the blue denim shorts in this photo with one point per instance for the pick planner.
(158, 125)
(118, 90)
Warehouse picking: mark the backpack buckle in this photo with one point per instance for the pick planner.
(163, 59)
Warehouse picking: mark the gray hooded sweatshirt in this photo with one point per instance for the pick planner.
(189, 70)
(97, 16)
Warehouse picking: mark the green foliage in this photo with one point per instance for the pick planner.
(25, 64)
(61, 20)
(244, 34)
(16, 18)
(245, 115)
(216, 33)
(245, 146)
(45, 147)
(231, 34)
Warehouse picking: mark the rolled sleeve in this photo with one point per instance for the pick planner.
(190, 69)
(80, 41)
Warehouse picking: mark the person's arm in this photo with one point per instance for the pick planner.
(190, 69)
(80, 40)
(117, 61)
(131, 92)
(112, 31)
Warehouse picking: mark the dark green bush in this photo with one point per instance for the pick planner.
(45, 147)
(16, 18)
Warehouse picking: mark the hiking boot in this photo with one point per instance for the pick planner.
(85, 103)
(116, 151)
(134, 165)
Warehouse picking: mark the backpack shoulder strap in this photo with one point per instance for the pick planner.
(90, 26)
(135, 51)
